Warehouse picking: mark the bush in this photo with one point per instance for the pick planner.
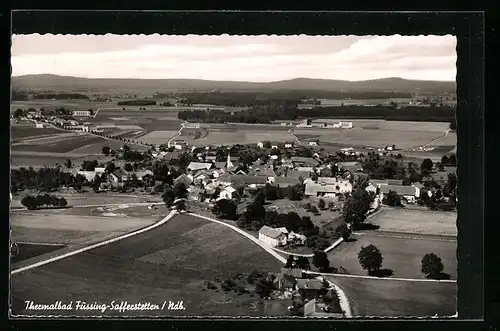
(307, 206)
(321, 204)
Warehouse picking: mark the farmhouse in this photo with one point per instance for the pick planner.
(260, 145)
(380, 182)
(370, 188)
(315, 308)
(326, 180)
(119, 175)
(304, 161)
(327, 190)
(350, 166)
(285, 181)
(296, 238)
(184, 179)
(82, 113)
(39, 125)
(299, 175)
(288, 144)
(307, 169)
(410, 193)
(286, 279)
(272, 237)
(313, 143)
(309, 288)
(228, 193)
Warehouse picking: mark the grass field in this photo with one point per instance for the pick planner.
(392, 125)
(393, 298)
(416, 221)
(242, 137)
(401, 254)
(171, 262)
(158, 137)
(59, 144)
(27, 251)
(29, 131)
(326, 217)
(372, 138)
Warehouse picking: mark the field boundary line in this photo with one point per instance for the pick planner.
(96, 112)
(424, 280)
(109, 241)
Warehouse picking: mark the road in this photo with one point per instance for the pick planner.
(178, 134)
(294, 136)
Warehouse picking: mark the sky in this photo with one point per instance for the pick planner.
(236, 58)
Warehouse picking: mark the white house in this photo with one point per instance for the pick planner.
(99, 170)
(228, 193)
(313, 143)
(274, 146)
(81, 113)
(288, 144)
(39, 125)
(272, 237)
(193, 166)
(370, 188)
(260, 144)
(298, 239)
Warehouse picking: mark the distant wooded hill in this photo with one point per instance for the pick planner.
(67, 83)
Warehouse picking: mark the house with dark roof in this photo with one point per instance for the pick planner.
(299, 175)
(247, 180)
(271, 236)
(119, 175)
(304, 161)
(287, 278)
(328, 190)
(309, 288)
(184, 179)
(284, 182)
(410, 193)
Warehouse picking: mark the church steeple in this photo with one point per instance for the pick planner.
(229, 163)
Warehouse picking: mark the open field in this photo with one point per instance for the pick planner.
(401, 253)
(339, 102)
(391, 125)
(372, 138)
(241, 137)
(171, 262)
(91, 198)
(53, 104)
(37, 160)
(159, 137)
(416, 221)
(58, 144)
(19, 132)
(394, 298)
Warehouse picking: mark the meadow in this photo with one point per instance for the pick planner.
(172, 262)
(398, 298)
(416, 221)
(401, 253)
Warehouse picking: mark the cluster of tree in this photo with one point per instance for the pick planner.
(370, 258)
(137, 103)
(392, 199)
(269, 114)
(432, 266)
(437, 199)
(172, 193)
(357, 205)
(453, 124)
(388, 169)
(324, 238)
(133, 156)
(240, 99)
(299, 262)
(46, 179)
(19, 96)
(60, 96)
(43, 200)
(449, 160)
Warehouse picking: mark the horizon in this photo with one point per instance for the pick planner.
(258, 59)
(236, 81)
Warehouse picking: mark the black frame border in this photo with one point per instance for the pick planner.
(467, 26)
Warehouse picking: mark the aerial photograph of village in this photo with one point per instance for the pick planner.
(233, 176)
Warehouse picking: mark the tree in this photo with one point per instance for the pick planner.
(126, 148)
(314, 210)
(180, 205)
(344, 231)
(225, 209)
(452, 160)
(321, 204)
(302, 262)
(68, 163)
(105, 150)
(180, 191)
(128, 167)
(432, 266)
(357, 205)
(253, 276)
(110, 168)
(320, 261)
(370, 258)
(264, 286)
(267, 144)
(392, 199)
(331, 205)
(295, 192)
(168, 196)
(426, 165)
(18, 113)
(444, 160)
(290, 262)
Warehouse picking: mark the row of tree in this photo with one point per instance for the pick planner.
(43, 200)
(46, 179)
(269, 114)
